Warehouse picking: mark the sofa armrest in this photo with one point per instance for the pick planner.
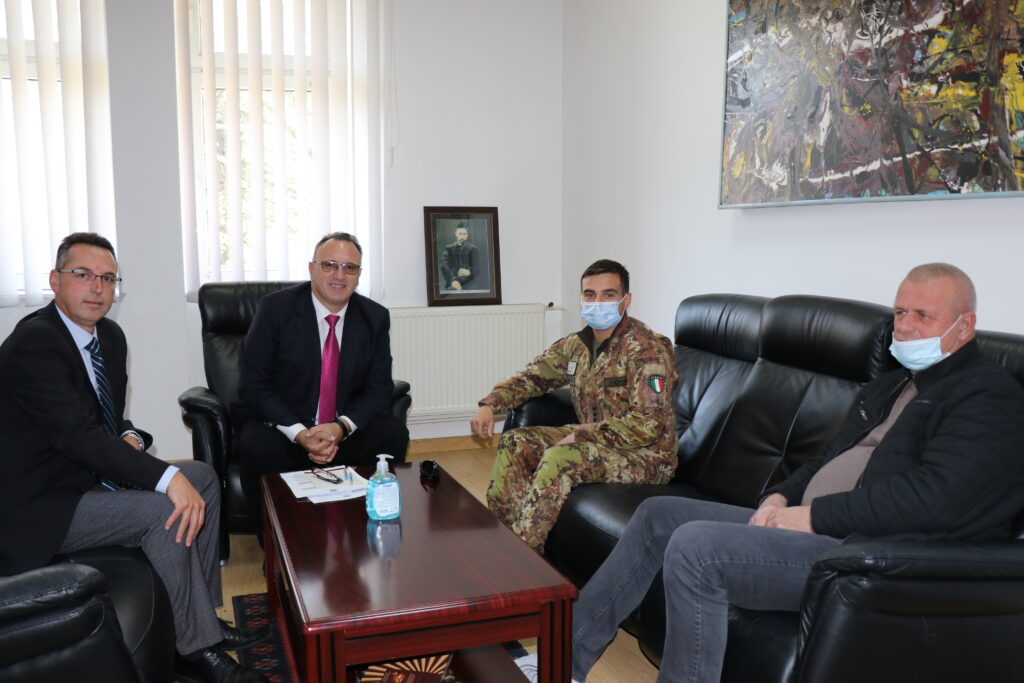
(939, 610)
(43, 590)
(56, 623)
(401, 401)
(553, 409)
(206, 415)
(202, 400)
(927, 560)
(918, 579)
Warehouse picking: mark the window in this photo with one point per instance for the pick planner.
(56, 174)
(278, 117)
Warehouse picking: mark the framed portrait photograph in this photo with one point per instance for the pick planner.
(463, 267)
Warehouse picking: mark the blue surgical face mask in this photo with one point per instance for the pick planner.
(601, 314)
(921, 354)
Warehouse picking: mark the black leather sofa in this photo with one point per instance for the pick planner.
(763, 384)
(226, 310)
(95, 615)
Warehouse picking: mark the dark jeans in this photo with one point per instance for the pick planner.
(711, 558)
(265, 449)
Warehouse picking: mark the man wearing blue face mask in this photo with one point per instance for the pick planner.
(933, 451)
(621, 375)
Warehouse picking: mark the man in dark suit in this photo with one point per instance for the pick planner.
(307, 402)
(74, 473)
(459, 262)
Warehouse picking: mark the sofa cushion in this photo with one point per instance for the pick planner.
(749, 421)
(828, 336)
(594, 518)
(717, 341)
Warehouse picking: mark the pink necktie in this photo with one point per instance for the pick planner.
(329, 375)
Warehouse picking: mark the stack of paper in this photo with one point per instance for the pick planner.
(305, 484)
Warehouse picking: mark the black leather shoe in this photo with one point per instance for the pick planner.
(236, 638)
(213, 665)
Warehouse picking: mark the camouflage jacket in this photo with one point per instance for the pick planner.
(623, 397)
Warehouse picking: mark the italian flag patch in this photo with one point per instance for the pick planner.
(657, 383)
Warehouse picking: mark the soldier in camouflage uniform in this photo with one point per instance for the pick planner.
(621, 375)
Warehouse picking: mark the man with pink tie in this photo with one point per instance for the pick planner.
(315, 381)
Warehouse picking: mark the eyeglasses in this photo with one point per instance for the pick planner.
(87, 276)
(332, 267)
(325, 475)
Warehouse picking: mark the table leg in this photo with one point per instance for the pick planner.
(341, 672)
(554, 643)
(270, 560)
(311, 645)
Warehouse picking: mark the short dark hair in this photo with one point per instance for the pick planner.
(604, 265)
(90, 238)
(341, 237)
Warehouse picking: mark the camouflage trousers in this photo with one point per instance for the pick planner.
(532, 477)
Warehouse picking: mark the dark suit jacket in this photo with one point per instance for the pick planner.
(280, 360)
(52, 435)
(460, 256)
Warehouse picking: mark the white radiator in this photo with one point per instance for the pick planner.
(453, 356)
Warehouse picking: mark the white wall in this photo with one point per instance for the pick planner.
(643, 113)
(480, 112)
(140, 43)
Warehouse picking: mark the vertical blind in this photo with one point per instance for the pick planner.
(56, 174)
(278, 103)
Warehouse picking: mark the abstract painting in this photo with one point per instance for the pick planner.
(839, 100)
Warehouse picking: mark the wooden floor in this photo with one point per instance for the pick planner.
(471, 466)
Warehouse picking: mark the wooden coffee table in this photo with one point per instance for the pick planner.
(450, 577)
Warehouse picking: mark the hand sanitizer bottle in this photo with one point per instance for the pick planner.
(383, 497)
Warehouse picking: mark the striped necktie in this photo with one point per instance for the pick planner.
(103, 391)
(105, 396)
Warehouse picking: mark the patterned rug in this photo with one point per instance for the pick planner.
(267, 657)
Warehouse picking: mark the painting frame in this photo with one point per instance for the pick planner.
(809, 116)
(462, 255)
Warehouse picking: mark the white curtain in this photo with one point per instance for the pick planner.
(56, 174)
(278, 104)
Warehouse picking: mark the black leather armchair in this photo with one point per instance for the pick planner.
(763, 384)
(227, 309)
(97, 615)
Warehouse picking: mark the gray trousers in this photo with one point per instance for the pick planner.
(711, 558)
(191, 575)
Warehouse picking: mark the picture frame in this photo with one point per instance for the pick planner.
(463, 262)
(850, 101)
